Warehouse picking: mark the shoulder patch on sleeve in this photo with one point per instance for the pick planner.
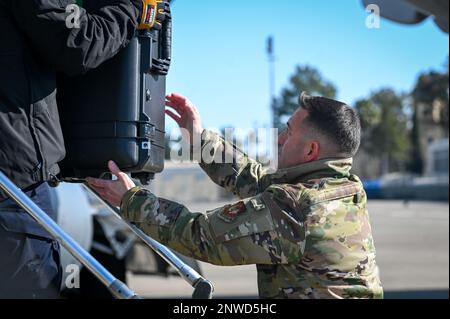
(231, 212)
(241, 220)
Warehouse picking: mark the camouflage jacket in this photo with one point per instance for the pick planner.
(306, 228)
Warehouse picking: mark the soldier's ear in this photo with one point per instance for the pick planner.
(314, 151)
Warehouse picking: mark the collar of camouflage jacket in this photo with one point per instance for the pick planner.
(318, 169)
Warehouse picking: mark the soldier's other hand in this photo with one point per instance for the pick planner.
(184, 112)
(112, 191)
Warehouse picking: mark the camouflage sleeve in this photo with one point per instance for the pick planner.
(231, 168)
(252, 231)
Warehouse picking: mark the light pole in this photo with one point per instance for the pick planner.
(271, 56)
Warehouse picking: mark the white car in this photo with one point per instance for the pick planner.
(107, 238)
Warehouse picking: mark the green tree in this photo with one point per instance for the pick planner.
(305, 79)
(385, 128)
(432, 90)
(416, 163)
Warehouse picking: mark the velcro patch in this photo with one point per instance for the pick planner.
(257, 204)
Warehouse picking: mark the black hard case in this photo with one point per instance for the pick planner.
(116, 112)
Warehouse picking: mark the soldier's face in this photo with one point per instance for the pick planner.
(296, 144)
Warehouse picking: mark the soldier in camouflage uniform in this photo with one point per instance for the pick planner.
(306, 227)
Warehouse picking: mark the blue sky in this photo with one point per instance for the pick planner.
(220, 62)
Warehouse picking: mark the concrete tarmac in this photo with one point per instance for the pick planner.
(412, 241)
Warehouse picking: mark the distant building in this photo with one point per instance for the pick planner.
(438, 157)
(432, 132)
(434, 185)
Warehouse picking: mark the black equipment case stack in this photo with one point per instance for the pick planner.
(116, 112)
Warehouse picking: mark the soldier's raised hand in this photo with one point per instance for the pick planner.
(184, 112)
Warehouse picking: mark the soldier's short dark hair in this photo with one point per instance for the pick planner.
(335, 120)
